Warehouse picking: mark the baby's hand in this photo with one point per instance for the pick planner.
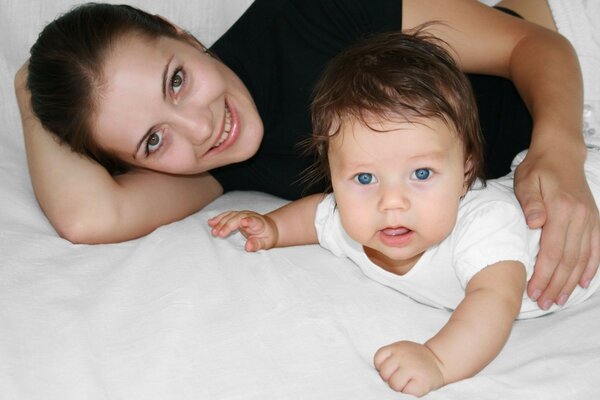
(260, 231)
(409, 367)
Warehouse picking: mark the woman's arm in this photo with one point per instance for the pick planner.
(474, 335)
(570, 205)
(85, 204)
(541, 63)
(550, 183)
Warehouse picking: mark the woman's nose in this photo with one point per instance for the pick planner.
(196, 126)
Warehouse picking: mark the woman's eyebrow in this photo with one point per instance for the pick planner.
(164, 83)
(141, 142)
(165, 78)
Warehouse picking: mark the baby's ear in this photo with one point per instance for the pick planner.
(468, 174)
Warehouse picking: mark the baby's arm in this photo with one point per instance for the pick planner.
(474, 335)
(290, 225)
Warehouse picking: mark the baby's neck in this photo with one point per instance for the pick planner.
(398, 267)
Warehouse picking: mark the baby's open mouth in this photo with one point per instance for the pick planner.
(395, 231)
(398, 236)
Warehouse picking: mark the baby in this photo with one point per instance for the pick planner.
(396, 132)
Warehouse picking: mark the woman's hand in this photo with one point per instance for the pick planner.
(555, 196)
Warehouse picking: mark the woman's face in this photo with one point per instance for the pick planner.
(168, 106)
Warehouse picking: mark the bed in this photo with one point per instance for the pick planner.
(179, 315)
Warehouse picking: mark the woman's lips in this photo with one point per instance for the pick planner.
(226, 127)
(229, 131)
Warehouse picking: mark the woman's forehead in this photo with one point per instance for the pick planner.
(132, 84)
(135, 45)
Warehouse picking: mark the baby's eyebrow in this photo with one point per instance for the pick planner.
(432, 155)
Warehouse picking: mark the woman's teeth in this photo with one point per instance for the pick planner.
(226, 129)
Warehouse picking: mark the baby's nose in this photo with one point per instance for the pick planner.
(394, 198)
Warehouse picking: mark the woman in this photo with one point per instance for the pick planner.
(187, 126)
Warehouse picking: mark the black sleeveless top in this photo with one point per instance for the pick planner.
(279, 48)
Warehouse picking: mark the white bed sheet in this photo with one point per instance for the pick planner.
(179, 315)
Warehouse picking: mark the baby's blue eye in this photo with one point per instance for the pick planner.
(422, 174)
(364, 178)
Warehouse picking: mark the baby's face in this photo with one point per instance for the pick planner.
(166, 105)
(397, 190)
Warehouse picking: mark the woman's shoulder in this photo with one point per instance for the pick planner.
(372, 14)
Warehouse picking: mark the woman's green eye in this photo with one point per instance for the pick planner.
(154, 141)
(177, 81)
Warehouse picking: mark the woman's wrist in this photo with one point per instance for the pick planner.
(559, 142)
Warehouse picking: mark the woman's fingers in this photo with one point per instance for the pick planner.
(592, 265)
(558, 199)
(565, 252)
(533, 205)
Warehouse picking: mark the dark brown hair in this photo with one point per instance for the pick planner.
(65, 70)
(395, 76)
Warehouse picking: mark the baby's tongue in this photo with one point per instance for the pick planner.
(395, 231)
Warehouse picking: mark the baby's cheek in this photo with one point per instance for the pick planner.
(354, 226)
(443, 226)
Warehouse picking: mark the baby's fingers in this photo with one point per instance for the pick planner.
(391, 371)
(386, 363)
(255, 244)
(381, 356)
(260, 231)
(213, 221)
(252, 225)
(225, 223)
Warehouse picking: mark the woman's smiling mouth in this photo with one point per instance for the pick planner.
(226, 128)
(229, 133)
